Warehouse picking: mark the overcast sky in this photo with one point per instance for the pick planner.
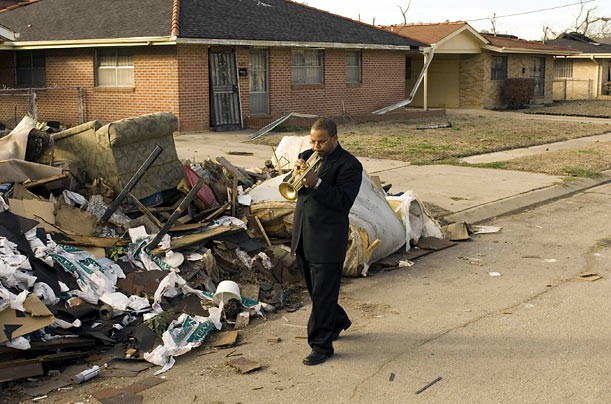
(527, 26)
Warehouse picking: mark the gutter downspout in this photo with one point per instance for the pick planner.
(430, 51)
(597, 89)
(427, 55)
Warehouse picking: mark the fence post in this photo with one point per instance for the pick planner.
(81, 104)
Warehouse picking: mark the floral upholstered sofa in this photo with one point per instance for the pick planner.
(115, 151)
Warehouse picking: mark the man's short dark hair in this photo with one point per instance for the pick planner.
(325, 124)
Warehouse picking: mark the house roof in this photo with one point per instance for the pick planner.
(513, 44)
(438, 33)
(278, 21)
(428, 33)
(580, 42)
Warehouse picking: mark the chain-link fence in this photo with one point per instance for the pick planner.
(61, 104)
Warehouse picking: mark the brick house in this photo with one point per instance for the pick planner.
(584, 76)
(468, 68)
(224, 64)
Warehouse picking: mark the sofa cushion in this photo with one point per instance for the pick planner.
(137, 129)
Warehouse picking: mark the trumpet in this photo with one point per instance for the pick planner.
(289, 189)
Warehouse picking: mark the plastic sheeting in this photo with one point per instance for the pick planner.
(377, 228)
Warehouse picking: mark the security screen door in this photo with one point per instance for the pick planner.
(224, 94)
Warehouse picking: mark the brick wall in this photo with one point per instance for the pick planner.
(155, 86)
(472, 74)
(193, 86)
(382, 84)
(580, 86)
(175, 79)
(517, 66)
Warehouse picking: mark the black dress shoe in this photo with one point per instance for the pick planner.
(335, 334)
(315, 358)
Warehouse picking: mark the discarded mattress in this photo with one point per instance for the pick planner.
(377, 229)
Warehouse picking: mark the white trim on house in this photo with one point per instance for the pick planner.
(6, 34)
(291, 44)
(465, 27)
(172, 40)
(88, 43)
(552, 52)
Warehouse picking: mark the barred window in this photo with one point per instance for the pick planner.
(563, 68)
(353, 67)
(408, 68)
(498, 69)
(114, 68)
(30, 68)
(307, 66)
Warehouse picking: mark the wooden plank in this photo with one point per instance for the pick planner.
(144, 210)
(14, 370)
(269, 243)
(104, 242)
(34, 184)
(181, 242)
(233, 170)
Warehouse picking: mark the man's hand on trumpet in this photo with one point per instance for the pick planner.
(310, 179)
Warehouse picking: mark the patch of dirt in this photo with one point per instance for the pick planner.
(591, 108)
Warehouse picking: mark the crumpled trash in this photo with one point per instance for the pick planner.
(183, 334)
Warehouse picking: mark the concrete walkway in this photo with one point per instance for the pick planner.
(466, 193)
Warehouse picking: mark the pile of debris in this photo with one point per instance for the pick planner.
(109, 243)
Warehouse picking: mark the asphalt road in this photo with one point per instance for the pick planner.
(534, 334)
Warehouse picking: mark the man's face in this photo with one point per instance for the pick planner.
(322, 142)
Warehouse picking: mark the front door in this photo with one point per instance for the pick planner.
(538, 74)
(224, 92)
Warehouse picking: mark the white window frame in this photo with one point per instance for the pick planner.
(114, 67)
(307, 66)
(354, 72)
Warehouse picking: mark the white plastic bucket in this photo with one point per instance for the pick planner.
(225, 291)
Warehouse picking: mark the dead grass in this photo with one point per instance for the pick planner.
(469, 135)
(584, 162)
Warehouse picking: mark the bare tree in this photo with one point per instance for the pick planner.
(404, 11)
(493, 23)
(589, 24)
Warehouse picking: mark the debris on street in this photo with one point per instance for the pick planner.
(116, 256)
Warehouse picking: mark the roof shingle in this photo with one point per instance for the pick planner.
(265, 20)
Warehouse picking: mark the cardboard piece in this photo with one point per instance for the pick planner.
(244, 365)
(43, 211)
(14, 323)
(75, 220)
(222, 339)
(434, 243)
(457, 231)
(19, 171)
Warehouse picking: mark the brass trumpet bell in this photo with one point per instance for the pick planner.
(289, 189)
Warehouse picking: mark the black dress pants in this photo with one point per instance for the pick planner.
(323, 282)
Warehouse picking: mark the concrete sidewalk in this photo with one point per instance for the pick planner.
(466, 193)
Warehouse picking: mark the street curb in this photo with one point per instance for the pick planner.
(525, 200)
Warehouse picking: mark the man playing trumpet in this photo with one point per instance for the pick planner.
(320, 232)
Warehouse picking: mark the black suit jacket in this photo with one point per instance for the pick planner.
(321, 215)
